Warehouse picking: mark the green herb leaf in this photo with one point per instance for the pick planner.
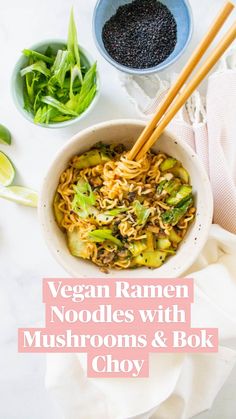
(161, 185)
(39, 66)
(100, 236)
(29, 97)
(37, 55)
(59, 118)
(87, 100)
(173, 216)
(49, 100)
(88, 83)
(59, 81)
(141, 212)
(42, 115)
(72, 46)
(178, 197)
(84, 199)
(60, 67)
(75, 73)
(72, 41)
(116, 211)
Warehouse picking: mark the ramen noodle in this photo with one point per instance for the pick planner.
(120, 213)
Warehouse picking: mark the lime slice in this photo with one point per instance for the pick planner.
(20, 195)
(5, 135)
(7, 172)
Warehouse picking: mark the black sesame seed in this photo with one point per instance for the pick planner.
(141, 34)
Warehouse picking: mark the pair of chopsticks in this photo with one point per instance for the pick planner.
(176, 97)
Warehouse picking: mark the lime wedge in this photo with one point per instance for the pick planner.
(20, 195)
(7, 172)
(5, 135)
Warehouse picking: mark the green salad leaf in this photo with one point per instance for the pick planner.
(58, 85)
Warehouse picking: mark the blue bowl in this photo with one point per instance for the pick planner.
(179, 8)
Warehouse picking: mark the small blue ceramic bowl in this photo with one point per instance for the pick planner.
(182, 13)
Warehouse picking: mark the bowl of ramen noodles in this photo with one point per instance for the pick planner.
(102, 213)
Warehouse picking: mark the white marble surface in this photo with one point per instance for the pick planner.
(24, 258)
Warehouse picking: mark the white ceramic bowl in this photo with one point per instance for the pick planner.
(127, 131)
(17, 85)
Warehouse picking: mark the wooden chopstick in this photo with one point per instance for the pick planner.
(189, 89)
(185, 73)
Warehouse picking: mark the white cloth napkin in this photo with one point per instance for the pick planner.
(180, 386)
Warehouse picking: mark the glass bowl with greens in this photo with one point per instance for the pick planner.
(55, 83)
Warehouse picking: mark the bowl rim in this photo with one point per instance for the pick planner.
(26, 114)
(43, 213)
(144, 71)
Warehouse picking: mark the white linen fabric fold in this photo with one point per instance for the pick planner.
(180, 385)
